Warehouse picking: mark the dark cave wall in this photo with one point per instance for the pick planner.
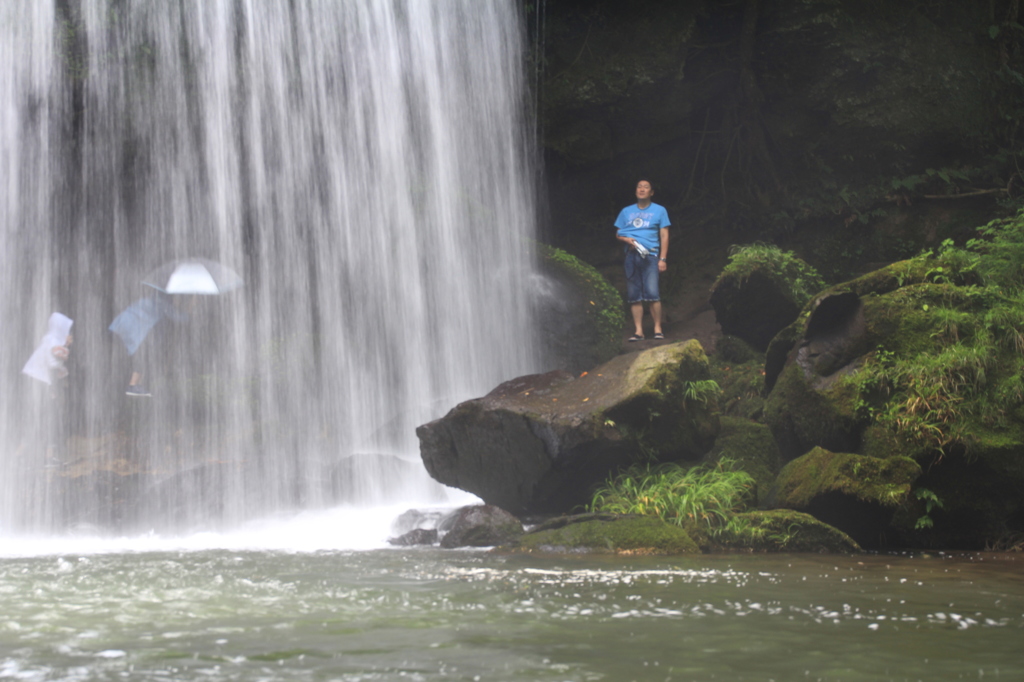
(770, 118)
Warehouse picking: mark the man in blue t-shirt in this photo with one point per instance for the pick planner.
(643, 228)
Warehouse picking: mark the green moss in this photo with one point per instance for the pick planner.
(666, 423)
(802, 416)
(604, 304)
(752, 447)
(947, 372)
(885, 482)
(946, 375)
(784, 530)
(607, 534)
(739, 371)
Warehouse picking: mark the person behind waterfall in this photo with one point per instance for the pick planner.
(643, 228)
(47, 362)
(134, 324)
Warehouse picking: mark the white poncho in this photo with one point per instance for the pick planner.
(43, 364)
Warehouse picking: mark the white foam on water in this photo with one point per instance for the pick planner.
(336, 529)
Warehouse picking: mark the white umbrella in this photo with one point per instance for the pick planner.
(193, 276)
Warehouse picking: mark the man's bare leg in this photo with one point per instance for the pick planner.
(638, 317)
(656, 314)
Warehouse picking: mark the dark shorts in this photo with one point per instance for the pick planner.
(641, 277)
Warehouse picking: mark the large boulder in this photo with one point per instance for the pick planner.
(761, 291)
(754, 308)
(855, 493)
(541, 443)
(810, 364)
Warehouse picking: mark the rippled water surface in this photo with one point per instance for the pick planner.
(427, 614)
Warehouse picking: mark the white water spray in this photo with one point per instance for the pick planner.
(362, 166)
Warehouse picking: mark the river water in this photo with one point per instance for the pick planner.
(322, 597)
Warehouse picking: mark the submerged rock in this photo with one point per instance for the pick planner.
(541, 443)
(606, 534)
(480, 526)
(419, 536)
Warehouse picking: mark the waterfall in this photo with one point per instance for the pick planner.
(363, 166)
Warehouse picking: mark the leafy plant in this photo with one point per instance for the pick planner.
(931, 501)
(705, 392)
(706, 495)
(1001, 242)
(799, 279)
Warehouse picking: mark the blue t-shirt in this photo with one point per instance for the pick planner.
(643, 224)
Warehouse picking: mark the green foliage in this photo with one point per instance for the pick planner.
(704, 393)
(968, 378)
(799, 280)
(706, 495)
(931, 501)
(1001, 242)
(743, 531)
(933, 394)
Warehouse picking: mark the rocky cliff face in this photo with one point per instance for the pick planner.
(841, 118)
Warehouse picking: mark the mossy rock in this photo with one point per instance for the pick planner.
(606, 534)
(753, 448)
(802, 415)
(785, 530)
(885, 482)
(761, 291)
(739, 370)
(581, 316)
(978, 507)
(666, 425)
(812, 365)
(855, 493)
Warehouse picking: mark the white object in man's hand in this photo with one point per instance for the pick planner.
(640, 248)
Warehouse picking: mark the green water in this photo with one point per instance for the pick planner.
(436, 615)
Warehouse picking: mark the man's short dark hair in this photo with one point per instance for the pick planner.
(642, 179)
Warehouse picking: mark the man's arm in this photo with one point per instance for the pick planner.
(628, 241)
(663, 254)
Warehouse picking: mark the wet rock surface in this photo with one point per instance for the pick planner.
(540, 443)
(480, 526)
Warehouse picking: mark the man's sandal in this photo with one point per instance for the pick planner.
(636, 337)
(659, 336)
